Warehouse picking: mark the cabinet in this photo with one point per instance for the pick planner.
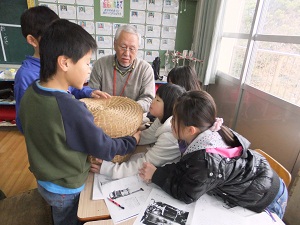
(7, 101)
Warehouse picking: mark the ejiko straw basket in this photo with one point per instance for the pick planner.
(117, 116)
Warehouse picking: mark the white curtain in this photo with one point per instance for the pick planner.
(207, 29)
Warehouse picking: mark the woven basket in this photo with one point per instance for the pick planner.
(117, 116)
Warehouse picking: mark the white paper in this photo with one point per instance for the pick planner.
(137, 16)
(103, 52)
(99, 180)
(151, 55)
(89, 26)
(169, 19)
(116, 26)
(140, 54)
(138, 4)
(168, 32)
(130, 192)
(85, 13)
(171, 6)
(140, 29)
(153, 18)
(67, 1)
(104, 28)
(67, 11)
(152, 31)
(104, 41)
(154, 5)
(207, 207)
(142, 44)
(167, 44)
(161, 208)
(85, 2)
(152, 43)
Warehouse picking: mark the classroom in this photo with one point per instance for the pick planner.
(243, 54)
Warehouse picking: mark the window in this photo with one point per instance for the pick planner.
(260, 45)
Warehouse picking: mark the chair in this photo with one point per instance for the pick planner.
(282, 172)
(25, 208)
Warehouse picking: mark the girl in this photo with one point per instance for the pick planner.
(184, 76)
(216, 159)
(164, 147)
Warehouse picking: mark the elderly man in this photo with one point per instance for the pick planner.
(123, 74)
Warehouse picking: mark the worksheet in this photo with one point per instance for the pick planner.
(125, 197)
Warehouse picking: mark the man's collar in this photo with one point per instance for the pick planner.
(122, 70)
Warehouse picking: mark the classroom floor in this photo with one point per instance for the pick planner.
(15, 176)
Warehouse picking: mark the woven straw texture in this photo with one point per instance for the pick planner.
(117, 116)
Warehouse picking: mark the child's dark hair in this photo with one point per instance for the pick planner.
(169, 94)
(63, 38)
(184, 76)
(35, 20)
(198, 109)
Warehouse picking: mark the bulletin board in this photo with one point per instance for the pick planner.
(88, 14)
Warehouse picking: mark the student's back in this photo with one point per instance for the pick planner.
(34, 21)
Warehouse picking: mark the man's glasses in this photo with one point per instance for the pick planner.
(124, 49)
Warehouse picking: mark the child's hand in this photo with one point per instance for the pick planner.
(137, 136)
(99, 94)
(147, 171)
(96, 165)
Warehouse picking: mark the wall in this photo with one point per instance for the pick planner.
(17, 48)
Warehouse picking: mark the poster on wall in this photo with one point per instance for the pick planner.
(85, 13)
(103, 28)
(112, 8)
(138, 4)
(67, 11)
(154, 5)
(137, 16)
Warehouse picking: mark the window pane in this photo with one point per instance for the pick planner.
(231, 57)
(282, 17)
(276, 70)
(239, 16)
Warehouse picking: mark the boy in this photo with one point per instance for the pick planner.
(59, 130)
(34, 21)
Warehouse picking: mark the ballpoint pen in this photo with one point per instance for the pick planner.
(117, 204)
(270, 214)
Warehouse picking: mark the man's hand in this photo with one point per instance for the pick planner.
(147, 171)
(100, 94)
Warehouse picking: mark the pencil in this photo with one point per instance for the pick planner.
(117, 204)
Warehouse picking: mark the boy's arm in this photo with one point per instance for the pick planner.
(87, 92)
(84, 136)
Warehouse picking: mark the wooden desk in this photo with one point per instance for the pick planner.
(110, 222)
(88, 209)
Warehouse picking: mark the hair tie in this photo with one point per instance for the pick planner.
(217, 125)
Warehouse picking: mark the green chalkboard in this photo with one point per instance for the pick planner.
(13, 45)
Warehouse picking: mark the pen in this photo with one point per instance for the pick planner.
(270, 214)
(117, 204)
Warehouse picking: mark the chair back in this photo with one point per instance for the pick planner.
(282, 172)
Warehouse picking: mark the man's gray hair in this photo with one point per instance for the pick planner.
(129, 29)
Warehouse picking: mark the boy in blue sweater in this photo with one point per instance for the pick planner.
(34, 22)
(59, 130)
